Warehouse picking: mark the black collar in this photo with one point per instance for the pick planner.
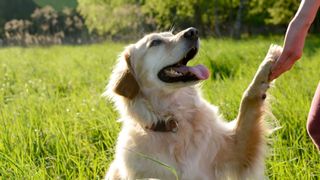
(170, 125)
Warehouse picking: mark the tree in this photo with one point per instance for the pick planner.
(58, 5)
(238, 23)
(274, 12)
(216, 18)
(21, 8)
(112, 17)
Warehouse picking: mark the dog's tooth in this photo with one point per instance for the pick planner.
(168, 70)
(173, 73)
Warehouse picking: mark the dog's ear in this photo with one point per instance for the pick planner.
(127, 85)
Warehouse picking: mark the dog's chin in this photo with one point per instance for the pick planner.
(181, 73)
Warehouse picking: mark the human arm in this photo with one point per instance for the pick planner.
(295, 37)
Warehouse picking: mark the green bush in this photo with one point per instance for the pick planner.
(135, 17)
(113, 18)
(14, 9)
(275, 12)
(47, 26)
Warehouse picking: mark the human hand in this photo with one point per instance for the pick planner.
(293, 47)
(295, 37)
(285, 62)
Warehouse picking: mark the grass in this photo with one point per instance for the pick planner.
(55, 124)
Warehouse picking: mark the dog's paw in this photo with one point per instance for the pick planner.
(257, 90)
(261, 81)
(264, 70)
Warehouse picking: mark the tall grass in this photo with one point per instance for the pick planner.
(55, 124)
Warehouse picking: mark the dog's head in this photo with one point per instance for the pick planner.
(159, 61)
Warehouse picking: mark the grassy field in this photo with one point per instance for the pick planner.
(55, 124)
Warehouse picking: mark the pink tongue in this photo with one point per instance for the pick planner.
(200, 71)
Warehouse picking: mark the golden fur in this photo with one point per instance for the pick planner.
(205, 146)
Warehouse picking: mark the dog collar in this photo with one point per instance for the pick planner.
(170, 125)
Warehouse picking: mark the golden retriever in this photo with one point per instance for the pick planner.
(166, 123)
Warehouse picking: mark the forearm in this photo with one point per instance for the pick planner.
(307, 12)
(295, 37)
(299, 26)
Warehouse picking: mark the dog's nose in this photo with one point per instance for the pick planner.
(191, 33)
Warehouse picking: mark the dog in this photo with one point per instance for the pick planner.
(168, 130)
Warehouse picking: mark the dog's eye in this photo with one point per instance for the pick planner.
(155, 42)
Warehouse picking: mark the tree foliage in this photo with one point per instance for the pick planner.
(14, 9)
(22, 9)
(58, 5)
(275, 12)
(129, 18)
(112, 17)
(211, 17)
(46, 26)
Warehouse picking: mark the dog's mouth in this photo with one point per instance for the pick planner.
(180, 72)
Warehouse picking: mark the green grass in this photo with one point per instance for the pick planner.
(55, 124)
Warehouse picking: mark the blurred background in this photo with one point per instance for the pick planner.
(43, 22)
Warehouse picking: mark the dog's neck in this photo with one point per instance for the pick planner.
(159, 111)
(171, 125)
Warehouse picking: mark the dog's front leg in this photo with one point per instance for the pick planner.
(249, 131)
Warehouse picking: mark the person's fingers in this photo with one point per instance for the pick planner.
(276, 67)
(275, 73)
(280, 69)
(282, 65)
(283, 58)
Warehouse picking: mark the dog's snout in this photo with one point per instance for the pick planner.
(191, 33)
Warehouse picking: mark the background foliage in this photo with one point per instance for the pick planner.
(130, 19)
(217, 17)
(46, 26)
